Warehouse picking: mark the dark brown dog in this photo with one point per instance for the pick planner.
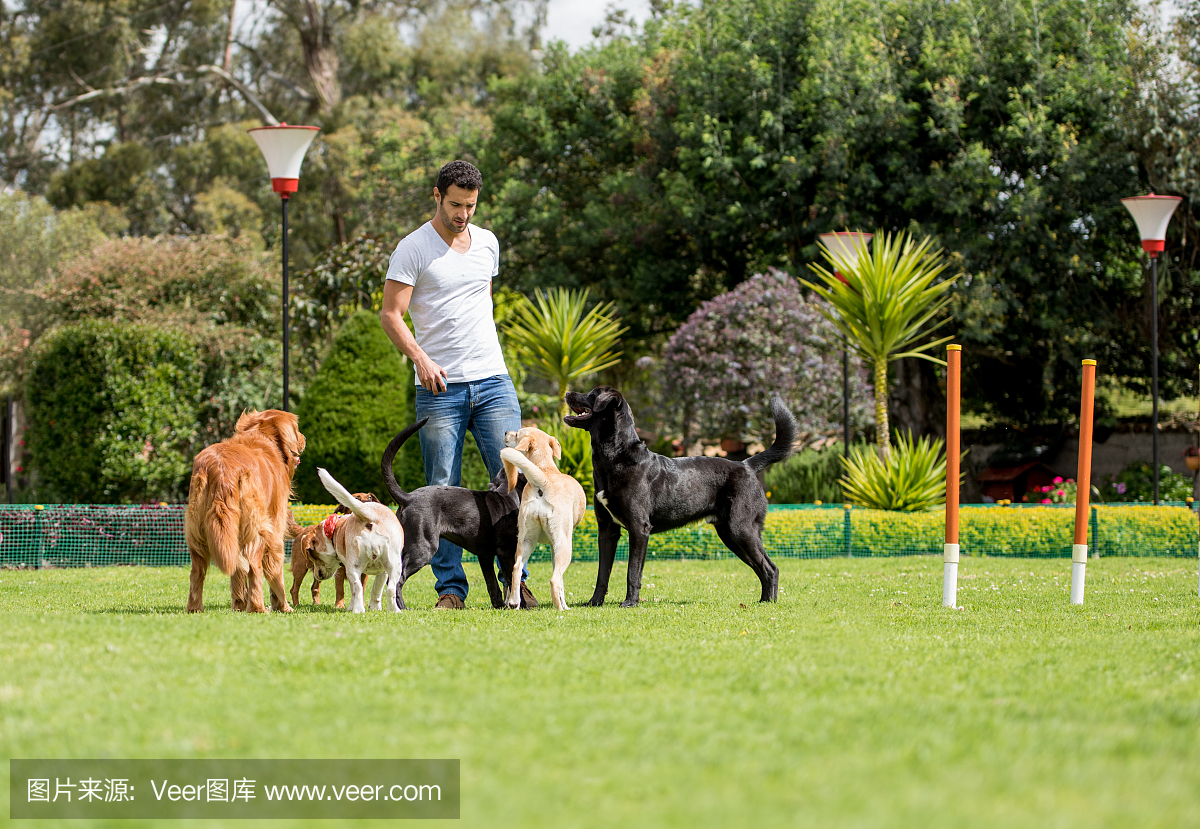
(302, 559)
(237, 513)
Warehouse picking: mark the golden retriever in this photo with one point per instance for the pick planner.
(237, 513)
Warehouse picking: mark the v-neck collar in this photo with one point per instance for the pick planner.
(470, 235)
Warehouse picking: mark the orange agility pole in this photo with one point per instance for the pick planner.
(953, 402)
(1083, 483)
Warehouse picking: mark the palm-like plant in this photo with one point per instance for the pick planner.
(912, 478)
(884, 305)
(560, 341)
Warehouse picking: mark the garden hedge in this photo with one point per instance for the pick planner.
(111, 410)
(360, 398)
(74, 535)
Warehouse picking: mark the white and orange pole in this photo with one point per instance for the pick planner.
(953, 402)
(1083, 483)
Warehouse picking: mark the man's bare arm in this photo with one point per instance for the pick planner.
(396, 296)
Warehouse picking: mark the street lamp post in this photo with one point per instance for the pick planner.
(283, 147)
(1152, 214)
(845, 245)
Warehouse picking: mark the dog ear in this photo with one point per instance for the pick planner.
(523, 446)
(556, 448)
(250, 419)
(607, 398)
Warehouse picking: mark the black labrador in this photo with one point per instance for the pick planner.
(484, 523)
(647, 493)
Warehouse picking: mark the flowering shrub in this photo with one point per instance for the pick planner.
(1059, 492)
(1136, 483)
(763, 338)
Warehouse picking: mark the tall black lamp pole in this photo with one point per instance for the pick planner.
(283, 147)
(846, 246)
(1152, 214)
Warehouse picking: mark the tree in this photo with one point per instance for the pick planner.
(359, 399)
(35, 240)
(720, 369)
(662, 168)
(883, 305)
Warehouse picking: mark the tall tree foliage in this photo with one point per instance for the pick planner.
(661, 168)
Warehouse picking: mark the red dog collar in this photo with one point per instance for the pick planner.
(329, 525)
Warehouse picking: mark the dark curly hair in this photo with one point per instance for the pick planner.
(462, 173)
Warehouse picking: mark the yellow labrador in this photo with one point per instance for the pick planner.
(552, 505)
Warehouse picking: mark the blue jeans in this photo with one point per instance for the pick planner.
(488, 408)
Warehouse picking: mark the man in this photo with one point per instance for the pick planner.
(441, 274)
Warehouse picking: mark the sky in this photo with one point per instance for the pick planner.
(572, 20)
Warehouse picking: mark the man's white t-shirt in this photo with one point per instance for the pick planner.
(451, 304)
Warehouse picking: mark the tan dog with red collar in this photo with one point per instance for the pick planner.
(369, 541)
(552, 505)
(307, 541)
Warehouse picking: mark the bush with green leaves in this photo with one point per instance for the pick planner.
(912, 478)
(344, 278)
(1136, 483)
(559, 338)
(223, 293)
(808, 476)
(359, 399)
(112, 412)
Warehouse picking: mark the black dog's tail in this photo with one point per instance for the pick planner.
(389, 455)
(785, 437)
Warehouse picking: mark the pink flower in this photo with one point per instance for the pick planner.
(1058, 480)
(1070, 480)
(1045, 489)
(1047, 501)
(1060, 493)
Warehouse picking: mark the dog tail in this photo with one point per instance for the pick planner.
(293, 528)
(344, 497)
(224, 522)
(785, 437)
(389, 454)
(533, 475)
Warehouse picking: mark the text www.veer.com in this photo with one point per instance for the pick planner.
(350, 792)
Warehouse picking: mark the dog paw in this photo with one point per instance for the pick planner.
(595, 602)
(629, 603)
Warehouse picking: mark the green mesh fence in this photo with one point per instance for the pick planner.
(89, 535)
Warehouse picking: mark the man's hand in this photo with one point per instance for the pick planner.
(431, 375)
(395, 304)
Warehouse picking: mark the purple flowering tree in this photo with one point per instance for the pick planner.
(721, 367)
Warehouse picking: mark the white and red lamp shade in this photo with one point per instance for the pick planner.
(845, 246)
(284, 147)
(1152, 214)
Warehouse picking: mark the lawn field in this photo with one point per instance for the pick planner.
(857, 700)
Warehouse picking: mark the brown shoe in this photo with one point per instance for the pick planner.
(527, 599)
(448, 601)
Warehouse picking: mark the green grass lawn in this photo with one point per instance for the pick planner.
(857, 700)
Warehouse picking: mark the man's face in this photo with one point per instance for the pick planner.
(455, 207)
